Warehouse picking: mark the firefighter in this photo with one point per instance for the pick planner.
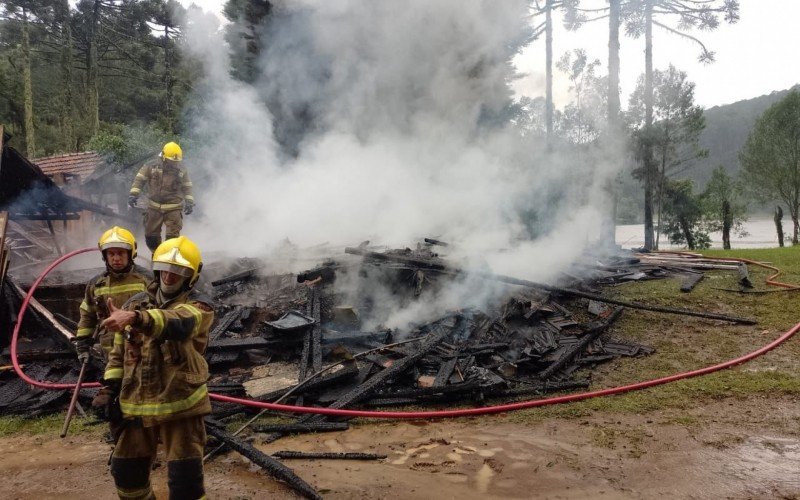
(156, 374)
(120, 281)
(169, 191)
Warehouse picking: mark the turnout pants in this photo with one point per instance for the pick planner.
(183, 440)
(154, 219)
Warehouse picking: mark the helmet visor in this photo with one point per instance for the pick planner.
(173, 268)
(116, 244)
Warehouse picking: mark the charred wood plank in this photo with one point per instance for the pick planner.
(272, 466)
(316, 333)
(691, 281)
(444, 372)
(426, 391)
(373, 383)
(303, 428)
(744, 276)
(327, 455)
(240, 276)
(532, 284)
(348, 372)
(325, 272)
(239, 345)
(227, 320)
(548, 386)
(581, 346)
(436, 242)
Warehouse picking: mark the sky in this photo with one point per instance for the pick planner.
(755, 56)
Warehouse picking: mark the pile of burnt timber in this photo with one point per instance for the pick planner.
(312, 338)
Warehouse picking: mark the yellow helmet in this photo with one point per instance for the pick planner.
(172, 151)
(118, 237)
(180, 256)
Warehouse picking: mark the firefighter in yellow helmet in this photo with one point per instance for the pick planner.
(169, 193)
(158, 375)
(120, 281)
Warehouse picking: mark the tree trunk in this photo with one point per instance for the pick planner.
(92, 74)
(662, 179)
(614, 130)
(727, 222)
(648, 147)
(613, 67)
(548, 40)
(66, 111)
(27, 89)
(168, 105)
(778, 218)
(687, 232)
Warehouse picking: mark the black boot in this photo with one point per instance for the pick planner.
(152, 242)
(132, 477)
(185, 479)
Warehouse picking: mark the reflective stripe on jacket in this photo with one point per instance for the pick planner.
(168, 185)
(117, 287)
(160, 364)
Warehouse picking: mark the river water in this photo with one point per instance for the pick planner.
(761, 234)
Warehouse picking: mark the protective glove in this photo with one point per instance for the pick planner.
(84, 348)
(106, 403)
(132, 200)
(188, 208)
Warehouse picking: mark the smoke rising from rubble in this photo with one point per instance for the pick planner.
(410, 105)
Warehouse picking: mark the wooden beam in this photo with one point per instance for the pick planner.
(18, 228)
(43, 311)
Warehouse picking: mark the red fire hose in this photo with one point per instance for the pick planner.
(401, 414)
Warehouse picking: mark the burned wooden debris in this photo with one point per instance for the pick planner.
(317, 338)
(273, 467)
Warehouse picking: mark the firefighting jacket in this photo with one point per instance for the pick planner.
(119, 287)
(159, 362)
(168, 186)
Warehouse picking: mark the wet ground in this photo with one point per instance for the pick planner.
(726, 449)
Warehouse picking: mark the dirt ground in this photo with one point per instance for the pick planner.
(728, 449)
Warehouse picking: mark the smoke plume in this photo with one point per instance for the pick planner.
(389, 122)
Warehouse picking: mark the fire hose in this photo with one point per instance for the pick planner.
(465, 412)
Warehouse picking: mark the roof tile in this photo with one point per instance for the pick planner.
(80, 164)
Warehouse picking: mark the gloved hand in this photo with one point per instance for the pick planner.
(188, 208)
(132, 200)
(106, 403)
(84, 348)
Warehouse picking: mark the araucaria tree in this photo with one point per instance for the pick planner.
(670, 142)
(640, 18)
(770, 158)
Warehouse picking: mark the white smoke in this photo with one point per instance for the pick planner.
(409, 100)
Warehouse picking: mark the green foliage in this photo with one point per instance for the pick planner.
(128, 143)
(771, 156)
(701, 15)
(141, 74)
(678, 122)
(721, 191)
(584, 118)
(242, 34)
(683, 215)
